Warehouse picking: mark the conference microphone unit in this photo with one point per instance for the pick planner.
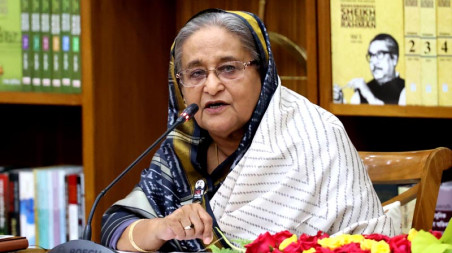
(85, 244)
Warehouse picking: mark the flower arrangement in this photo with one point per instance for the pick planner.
(286, 242)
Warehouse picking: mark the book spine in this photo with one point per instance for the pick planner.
(10, 46)
(27, 206)
(444, 32)
(412, 50)
(37, 212)
(60, 206)
(14, 204)
(43, 213)
(4, 186)
(50, 208)
(72, 207)
(36, 45)
(66, 46)
(429, 78)
(46, 43)
(75, 34)
(26, 54)
(81, 203)
(55, 30)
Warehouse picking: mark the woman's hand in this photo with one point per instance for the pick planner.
(187, 223)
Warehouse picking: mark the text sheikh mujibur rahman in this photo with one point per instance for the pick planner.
(355, 16)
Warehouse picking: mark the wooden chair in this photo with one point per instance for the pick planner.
(423, 168)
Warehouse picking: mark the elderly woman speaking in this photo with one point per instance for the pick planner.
(258, 157)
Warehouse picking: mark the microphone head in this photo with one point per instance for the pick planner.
(189, 112)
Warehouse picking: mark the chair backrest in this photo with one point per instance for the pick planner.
(423, 168)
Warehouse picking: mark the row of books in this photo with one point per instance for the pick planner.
(45, 204)
(423, 32)
(40, 46)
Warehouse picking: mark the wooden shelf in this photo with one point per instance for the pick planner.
(40, 98)
(390, 111)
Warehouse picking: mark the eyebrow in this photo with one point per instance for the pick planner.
(197, 62)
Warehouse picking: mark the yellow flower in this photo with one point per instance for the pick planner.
(287, 242)
(340, 240)
(412, 234)
(311, 250)
(375, 247)
(366, 244)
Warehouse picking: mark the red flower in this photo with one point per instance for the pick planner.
(281, 236)
(377, 237)
(400, 244)
(323, 250)
(437, 234)
(295, 248)
(306, 242)
(351, 247)
(263, 244)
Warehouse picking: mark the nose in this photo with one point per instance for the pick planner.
(213, 84)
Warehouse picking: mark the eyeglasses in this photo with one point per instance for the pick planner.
(379, 55)
(226, 72)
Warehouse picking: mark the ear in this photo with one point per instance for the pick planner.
(395, 59)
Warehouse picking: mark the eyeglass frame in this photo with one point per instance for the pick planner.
(245, 64)
(369, 55)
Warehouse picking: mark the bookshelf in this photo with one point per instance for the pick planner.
(120, 112)
(325, 87)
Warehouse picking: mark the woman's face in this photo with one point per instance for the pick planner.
(224, 108)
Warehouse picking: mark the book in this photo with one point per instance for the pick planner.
(61, 200)
(26, 55)
(444, 38)
(368, 51)
(46, 43)
(27, 205)
(43, 206)
(51, 204)
(76, 55)
(412, 52)
(10, 243)
(55, 30)
(10, 46)
(4, 186)
(36, 53)
(429, 69)
(75, 205)
(66, 46)
(14, 203)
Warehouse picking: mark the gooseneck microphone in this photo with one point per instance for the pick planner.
(85, 242)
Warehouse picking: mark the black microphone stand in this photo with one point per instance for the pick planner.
(85, 242)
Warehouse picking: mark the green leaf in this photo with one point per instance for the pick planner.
(242, 242)
(237, 249)
(215, 249)
(447, 235)
(422, 241)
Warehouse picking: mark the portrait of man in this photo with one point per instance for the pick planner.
(386, 87)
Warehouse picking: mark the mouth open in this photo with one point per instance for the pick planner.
(215, 105)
